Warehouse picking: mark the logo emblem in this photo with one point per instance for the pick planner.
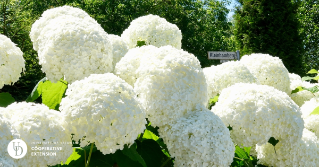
(17, 148)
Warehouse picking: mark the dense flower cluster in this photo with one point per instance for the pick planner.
(170, 83)
(120, 48)
(127, 67)
(258, 112)
(71, 47)
(103, 100)
(153, 30)
(224, 75)
(37, 123)
(199, 139)
(11, 61)
(300, 97)
(304, 152)
(268, 70)
(311, 121)
(7, 133)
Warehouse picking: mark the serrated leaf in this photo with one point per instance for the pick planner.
(76, 158)
(6, 99)
(241, 153)
(247, 150)
(307, 78)
(312, 89)
(313, 71)
(315, 111)
(298, 89)
(273, 141)
(316, 78)
(149, 135)
(52, 93)
(37, 91)
(133, 154)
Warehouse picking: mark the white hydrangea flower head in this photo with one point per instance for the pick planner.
(170, 83)
(127, 67)
(268, 70)
(199, 139)
(311, 121)
(11, 61)
(36, 123)
(7, 134)
(72, 48)
(50, 14)
(120, 48)
(103, 100)
(154, 30)
(258, 112)
(295, 81)
(300, 97)
(226, 74)
(304, 152)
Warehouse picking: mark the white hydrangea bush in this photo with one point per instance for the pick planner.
(103, 100)
(199, 139)
(258, 112)
(127, 67)
(35, 124)
(226, 74)
(170, 82)
(120, 48)
(304, 152)
(300, 97)
(73, 48)
(311, 121)
(153, 30)
(11, 61)
(268, 70)
(50, 14)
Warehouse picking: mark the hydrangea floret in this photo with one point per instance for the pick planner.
(258, 112)
(103, 100)
(224, 75)
(170, 83)
(311, 120)
(199, 139)
(11, 61)
(73, 48)
(268, 70)
(153, 30)
(304, 152)
(36, 123)
(120, 48)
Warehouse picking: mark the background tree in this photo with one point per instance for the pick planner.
(308, 15)
(203, 24)
(270, 26)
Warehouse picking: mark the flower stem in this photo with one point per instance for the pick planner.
(87, 165)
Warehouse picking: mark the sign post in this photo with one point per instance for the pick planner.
(223, 56)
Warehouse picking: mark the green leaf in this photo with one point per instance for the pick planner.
(241, 153)
(133, 154)
(6, 99)
(315, 111)
(273, 141)
(151, 152)
(312, 89)
(76, 158)
(307, 78)
(212, 101)
(52, 93)
(316, 78)
(123, 161)
(140, 43)
(149, 135)
(298, 89)
(247, 150)
(37, 91)
(313, 71)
